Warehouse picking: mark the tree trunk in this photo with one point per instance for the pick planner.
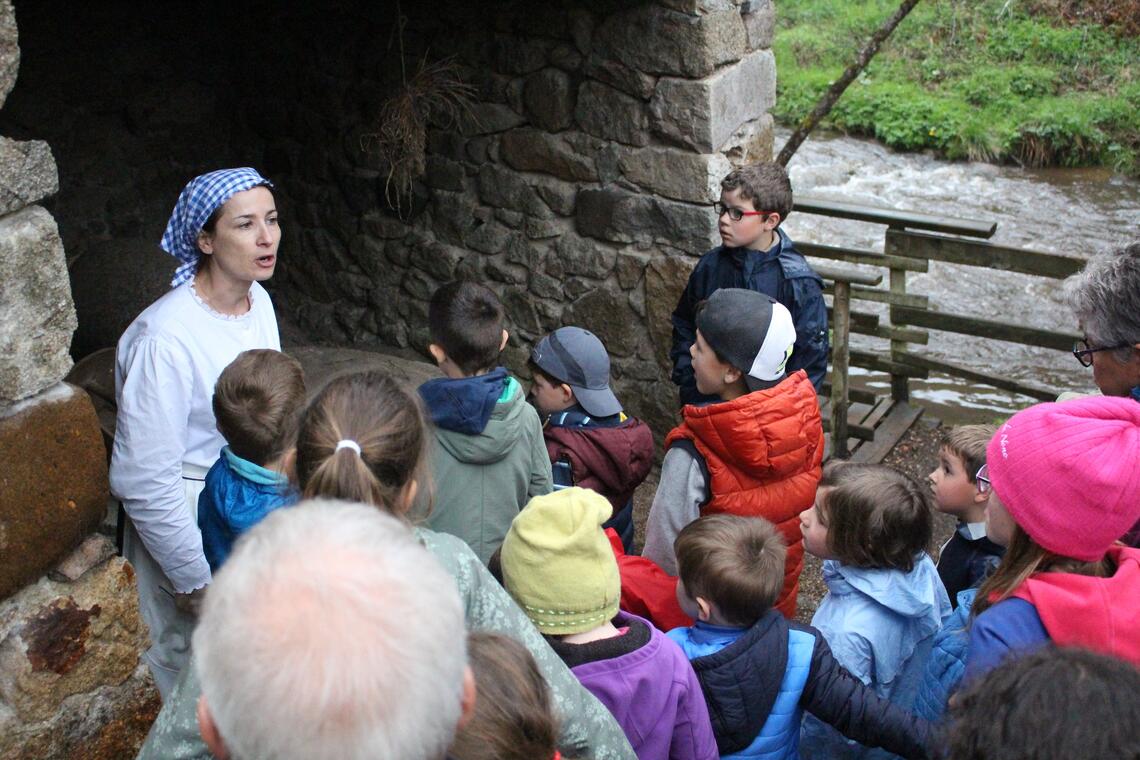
(825, 104)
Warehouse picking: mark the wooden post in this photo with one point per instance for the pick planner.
(900, 389)
(840, 357)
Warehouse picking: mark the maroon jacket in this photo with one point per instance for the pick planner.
(610, 460)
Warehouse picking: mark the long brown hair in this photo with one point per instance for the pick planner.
(514, 715)
(384, 420)
(1024, 558)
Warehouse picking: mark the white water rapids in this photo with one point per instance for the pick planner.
(1071, 211)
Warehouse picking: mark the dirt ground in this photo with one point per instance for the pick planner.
(915, 454)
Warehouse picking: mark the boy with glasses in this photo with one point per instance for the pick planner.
(756, 255)
(968, 557)
(961, 486)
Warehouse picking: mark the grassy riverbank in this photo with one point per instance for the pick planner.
(991, 80)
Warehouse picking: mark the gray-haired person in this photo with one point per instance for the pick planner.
(1105, 296)
(332, 633)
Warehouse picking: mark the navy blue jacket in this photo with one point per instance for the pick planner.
(781, 273)
(742, 681)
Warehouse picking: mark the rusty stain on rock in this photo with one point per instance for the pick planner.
(56, 636)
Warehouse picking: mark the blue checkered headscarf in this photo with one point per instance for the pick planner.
(198, 201)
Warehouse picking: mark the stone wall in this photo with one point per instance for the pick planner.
(578, 186)
(71, 681)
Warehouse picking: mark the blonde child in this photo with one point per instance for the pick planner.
(968, 557)
(871, 526)
(257, 400)
(759, 672)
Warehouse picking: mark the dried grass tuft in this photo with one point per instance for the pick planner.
(435, 93)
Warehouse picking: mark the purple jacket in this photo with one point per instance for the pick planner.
(655, 697)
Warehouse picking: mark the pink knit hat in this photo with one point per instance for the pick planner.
(1069, 473)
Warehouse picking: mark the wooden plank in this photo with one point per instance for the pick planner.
(985, 328)
(839, 274)
(900, 385)
(877, 412)
(879, 363)
(903, 334)
(840, 361)
(887, 434)
(894, 218)
(855, 412)
(858, 319)
(1005, 384)
(861, 256)
(981, 254)
(863, 293)
(857, 396)
(853, 444)
(858, 432)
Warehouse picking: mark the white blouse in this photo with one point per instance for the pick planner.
(166, 365)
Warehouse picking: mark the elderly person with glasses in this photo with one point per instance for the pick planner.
(1105, 296)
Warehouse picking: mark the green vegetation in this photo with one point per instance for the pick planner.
(991, 80)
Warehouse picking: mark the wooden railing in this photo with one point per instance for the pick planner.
(912, 242)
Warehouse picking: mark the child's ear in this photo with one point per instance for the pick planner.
(289, 464)
(437, 353)
(504, 343)
(979, 497)
(209, 731)
(468, 697)
(732, 375)
(704, 609)
(772, 221)
(567, 392)
(408, 495)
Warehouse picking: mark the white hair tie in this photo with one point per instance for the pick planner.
(347, 443)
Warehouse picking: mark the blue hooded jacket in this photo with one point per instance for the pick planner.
(237, 495)
(880, 624)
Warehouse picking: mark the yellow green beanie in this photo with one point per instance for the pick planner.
(558, 564)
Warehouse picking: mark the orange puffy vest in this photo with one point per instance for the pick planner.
(763, 452)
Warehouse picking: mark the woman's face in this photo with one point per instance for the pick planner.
(1114, 378)
(999, 523)
(243, 245)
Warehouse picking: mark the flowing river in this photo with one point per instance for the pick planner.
(1072, 211)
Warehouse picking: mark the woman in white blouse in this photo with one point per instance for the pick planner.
(225, 233)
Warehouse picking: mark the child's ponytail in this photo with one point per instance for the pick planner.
(362, 438)
(345, 474)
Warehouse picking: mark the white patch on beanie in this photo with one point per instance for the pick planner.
(772, 358)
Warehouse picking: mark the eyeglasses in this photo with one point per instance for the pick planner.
(736, 214)
(983, 479)
(1083, 352)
